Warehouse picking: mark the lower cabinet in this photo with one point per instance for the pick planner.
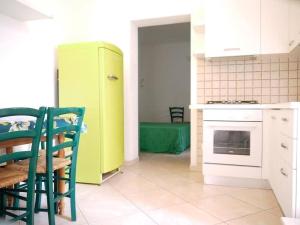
(282, 147)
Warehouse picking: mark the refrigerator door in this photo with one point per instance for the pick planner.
(111, 110)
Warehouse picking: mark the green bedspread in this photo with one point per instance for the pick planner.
(164, 137)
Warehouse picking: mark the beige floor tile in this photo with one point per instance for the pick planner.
(168, 181)
(262, 218)
(134, 219)
(225, 207)
(194, 192)
(263, 199)
(195, 176)
(184, 214)
(127, 183)
(155, 199)
(104, 202)
(275, 211)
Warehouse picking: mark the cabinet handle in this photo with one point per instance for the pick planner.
(291, 42)
(284, 119)
(112, 77)
(283, 173)
(231, 49)
(283, 146)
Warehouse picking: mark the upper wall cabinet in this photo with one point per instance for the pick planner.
(197, 33)
(294, 24)
(232, 27)
(18, 10)
(274, 26)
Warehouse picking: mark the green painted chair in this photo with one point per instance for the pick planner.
(49, 163)
(11, 178)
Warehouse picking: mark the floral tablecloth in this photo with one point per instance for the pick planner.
(8, 126)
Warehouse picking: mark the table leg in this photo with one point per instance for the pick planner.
(10, 199)
(61, 173)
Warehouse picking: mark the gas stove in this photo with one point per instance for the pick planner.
(233, 102)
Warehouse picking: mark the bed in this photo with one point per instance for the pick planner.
(171, 138)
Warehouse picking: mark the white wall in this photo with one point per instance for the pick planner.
(26, 65)
(164, 71)
(74, 21)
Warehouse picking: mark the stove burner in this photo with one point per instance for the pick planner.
(233, 102)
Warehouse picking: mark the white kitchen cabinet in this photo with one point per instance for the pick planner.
(274, 28)
(294, 24)
(232, 27)
(281, 147)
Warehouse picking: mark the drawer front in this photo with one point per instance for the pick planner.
(288, 123)
(232, 115)
(285, 189)
(287, 148)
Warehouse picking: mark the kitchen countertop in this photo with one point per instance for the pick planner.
(287, 105)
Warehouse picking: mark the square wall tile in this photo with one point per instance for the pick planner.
(216, 84)
(284, 66)
(275, 99)
(257, 75)
(223, 84)
(283, 91)
(256, 83)
(248, 76)
(275, 91)
(266, 91)
(231, 84)
(257, 91)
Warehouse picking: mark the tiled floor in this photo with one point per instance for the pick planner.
(160, 189)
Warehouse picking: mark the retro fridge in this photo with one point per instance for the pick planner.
(91, 75)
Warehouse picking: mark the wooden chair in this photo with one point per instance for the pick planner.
(49, 163)
(177, 114)
(9, 177)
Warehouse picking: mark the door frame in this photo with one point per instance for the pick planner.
(133, 148)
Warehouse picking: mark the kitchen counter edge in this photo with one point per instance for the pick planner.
(286, 105)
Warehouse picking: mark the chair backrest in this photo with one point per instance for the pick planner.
(33, 133)
(177, 114)
(70, 120)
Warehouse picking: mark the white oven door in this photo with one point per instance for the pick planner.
(232, 143)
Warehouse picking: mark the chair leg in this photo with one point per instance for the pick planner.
(38, 194)
(2, 204)
(50, 199)
(30, 219)
(55, 191)
(73, 204)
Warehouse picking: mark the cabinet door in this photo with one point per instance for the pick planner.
(232, 27)
(111, 110)
(274, 29)
(271, 134)
(285, 190)
(294, 23)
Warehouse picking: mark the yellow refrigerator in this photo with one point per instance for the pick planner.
(91, 75)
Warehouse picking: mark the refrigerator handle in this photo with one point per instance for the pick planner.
(112, 77)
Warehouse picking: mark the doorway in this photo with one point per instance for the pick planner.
(163, 82)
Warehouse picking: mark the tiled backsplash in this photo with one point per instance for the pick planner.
(267, 79)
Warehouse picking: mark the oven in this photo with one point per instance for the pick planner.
(232, 137)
